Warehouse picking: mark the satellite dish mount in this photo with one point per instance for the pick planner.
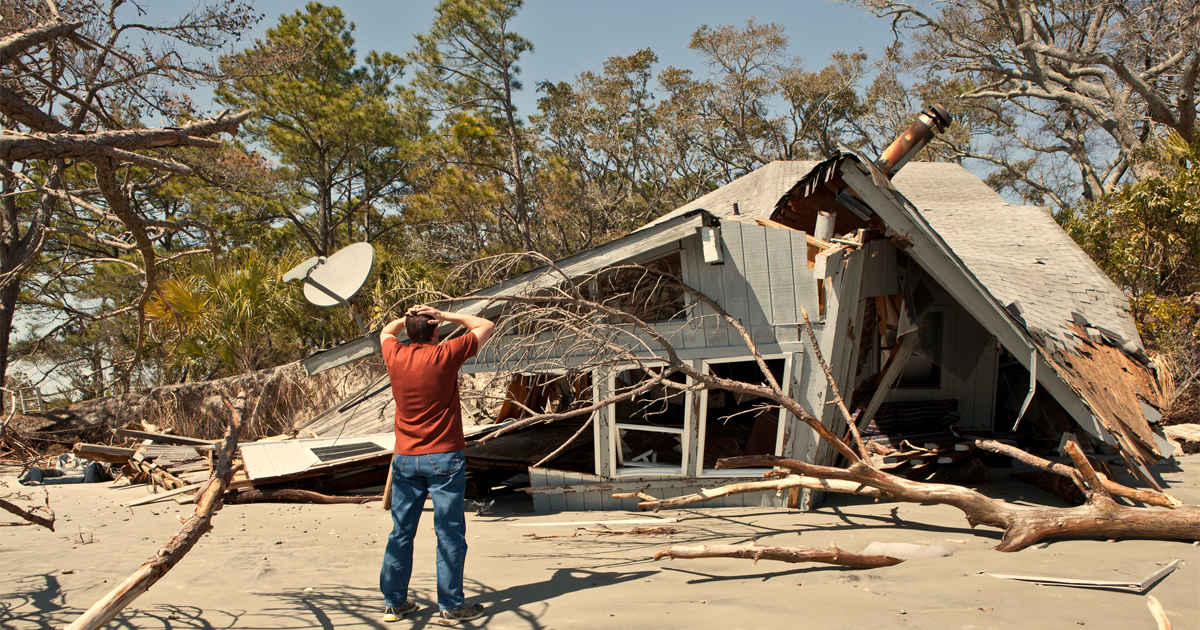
(335, 280)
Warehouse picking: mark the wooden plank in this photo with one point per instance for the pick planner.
(837, 343)
(694, 421)
(780, 264)
(164, 438)
(161, 495)
(102, 453)
(690, 257)
(829, 261)
(602, 435)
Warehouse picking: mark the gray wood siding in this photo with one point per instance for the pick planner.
(577, 496)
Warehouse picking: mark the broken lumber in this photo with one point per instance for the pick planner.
(208, 501)
(291, 495)
(102, 453)
(164, 438)
(754, 552)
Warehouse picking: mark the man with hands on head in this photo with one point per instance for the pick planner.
(429, 455)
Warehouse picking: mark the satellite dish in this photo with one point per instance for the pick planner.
(336, 280)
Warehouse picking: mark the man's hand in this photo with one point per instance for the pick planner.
(435, 315)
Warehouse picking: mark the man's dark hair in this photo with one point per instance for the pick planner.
(419, 328)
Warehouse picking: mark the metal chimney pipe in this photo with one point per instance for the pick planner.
(932, 121)
(824, 227)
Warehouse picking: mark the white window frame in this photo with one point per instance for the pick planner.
(702, 431)
(614, 437)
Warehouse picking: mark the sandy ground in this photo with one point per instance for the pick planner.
(282, 566)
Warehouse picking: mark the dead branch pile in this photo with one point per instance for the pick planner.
(284, 398)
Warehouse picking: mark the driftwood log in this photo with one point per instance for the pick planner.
(777, 485)
(292, 496)
(754, 552)
(208, 501)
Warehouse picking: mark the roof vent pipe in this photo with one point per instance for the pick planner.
(933, 120)
(824, 228)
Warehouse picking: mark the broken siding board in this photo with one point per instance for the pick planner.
(838, 344)
(273, 459)
(781, 259)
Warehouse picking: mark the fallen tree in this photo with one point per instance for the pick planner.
(564, 313)
(208, 501)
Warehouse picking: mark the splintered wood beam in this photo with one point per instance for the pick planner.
(208, 500)
(102, 453)
(754, 552)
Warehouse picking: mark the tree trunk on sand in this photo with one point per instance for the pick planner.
(208, 501)
(1023, 526)
(833, 555)
(292, 496)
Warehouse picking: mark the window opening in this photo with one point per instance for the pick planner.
(923, 370)
(644, 295)
(736, 424)
(649, 429)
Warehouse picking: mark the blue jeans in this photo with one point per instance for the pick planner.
(444, 477)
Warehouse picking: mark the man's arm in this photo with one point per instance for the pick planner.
(392, 329)
(478, 326)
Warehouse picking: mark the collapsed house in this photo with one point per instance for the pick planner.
(941, 309)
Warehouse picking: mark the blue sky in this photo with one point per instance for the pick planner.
(573, 36)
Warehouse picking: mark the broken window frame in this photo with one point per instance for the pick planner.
(616, 457)
(702, 417)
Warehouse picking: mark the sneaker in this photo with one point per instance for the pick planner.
(391, 613)
(451, 616)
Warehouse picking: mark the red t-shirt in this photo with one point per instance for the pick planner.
(425, 385)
